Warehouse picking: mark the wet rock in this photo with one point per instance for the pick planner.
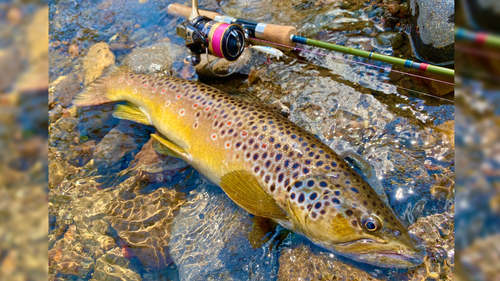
(55, 113)
(155, 59)
(390, 39)
(67, 259)
(63, 90)
(113, 266)
(139, 219)
(62, 133)
(437, 234)
(73, 50)
(120, 144)
(432, 30)
(97, 59)
(150, 161)
(300, 263)
(79, 155)
(210, 240)
(345, 5)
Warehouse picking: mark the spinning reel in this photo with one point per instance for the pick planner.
(204, 35)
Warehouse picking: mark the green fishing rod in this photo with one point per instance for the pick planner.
(424, 67)
(285, 37)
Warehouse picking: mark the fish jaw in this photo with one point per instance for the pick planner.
(393, 254)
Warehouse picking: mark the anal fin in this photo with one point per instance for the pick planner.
(131, 112)
(169, 148)
(242, 187)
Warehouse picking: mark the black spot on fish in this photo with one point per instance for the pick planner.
(314, 215)
(287, 162)
(279, 156)
(287, 182)
(301, 198)
(313, 196)
(335, 201)
(349, 212)
(264, 155)
(280, 177)
(298, 184)
(322, 212)
(317, 205)
(305, 170)
(256, 169)
(295, 166)
(292, 196)
(355, 189)
(355, 223)
(273, 187)
(310, 183)
(323, 184)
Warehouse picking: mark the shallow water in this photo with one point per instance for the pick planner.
(119, 210)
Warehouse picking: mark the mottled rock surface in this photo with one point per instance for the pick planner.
(97, 59)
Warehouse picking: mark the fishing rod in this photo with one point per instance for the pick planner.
(478, 38)
(223, 36)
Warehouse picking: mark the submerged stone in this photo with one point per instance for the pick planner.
(390, 39)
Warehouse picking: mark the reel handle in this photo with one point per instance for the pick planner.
(280, 34)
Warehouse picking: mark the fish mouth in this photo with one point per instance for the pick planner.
(382, 254)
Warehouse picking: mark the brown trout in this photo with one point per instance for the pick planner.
(266, 164)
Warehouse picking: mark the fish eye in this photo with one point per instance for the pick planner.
(372, 223)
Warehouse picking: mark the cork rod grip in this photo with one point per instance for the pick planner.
(184, 11)
(279, 34)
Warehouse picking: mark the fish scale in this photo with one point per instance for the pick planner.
(265, 163)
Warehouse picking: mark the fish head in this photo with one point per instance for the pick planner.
(345, 215)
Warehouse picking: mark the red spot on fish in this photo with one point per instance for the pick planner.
(181, 112)
(163, 91)
(129, 82)
(214, 136)
(207, 109)
(215, 116)
(134, 91)
(145, 85)
(167, 103)
(228, 144)
(120, 80)
(195, 125)
(229, 123)
(195, 105)
(178, 96)
(264, 145)
(244, 133)
(154, 90)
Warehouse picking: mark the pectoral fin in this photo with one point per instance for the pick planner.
(244, 190)
(169, 148)
(131, 112)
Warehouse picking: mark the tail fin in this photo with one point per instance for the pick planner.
(95, 92)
